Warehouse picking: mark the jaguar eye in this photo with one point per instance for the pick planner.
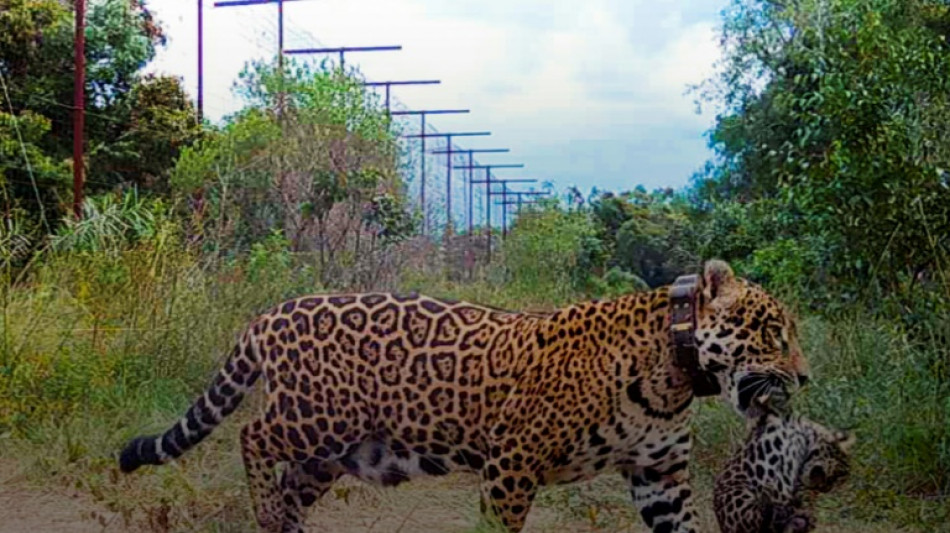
(774, 336)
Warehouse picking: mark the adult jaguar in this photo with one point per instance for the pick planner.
(385, 387)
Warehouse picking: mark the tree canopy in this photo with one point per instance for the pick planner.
(135, 125)
(836, 114)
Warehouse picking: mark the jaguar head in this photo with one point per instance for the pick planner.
(747, 340)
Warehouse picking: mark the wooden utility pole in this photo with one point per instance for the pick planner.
(79, 106)
(201, 62)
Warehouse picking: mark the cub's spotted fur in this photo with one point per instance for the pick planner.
(784, 458)
(386, 388)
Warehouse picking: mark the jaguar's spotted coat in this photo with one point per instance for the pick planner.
(385, 388)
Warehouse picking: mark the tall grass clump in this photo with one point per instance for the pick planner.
(114, 328)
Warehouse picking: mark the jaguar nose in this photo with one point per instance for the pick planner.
(802, 380)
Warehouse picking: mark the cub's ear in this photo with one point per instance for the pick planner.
(719, 284)
(845, 440)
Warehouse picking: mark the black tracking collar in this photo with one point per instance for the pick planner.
(683, 331)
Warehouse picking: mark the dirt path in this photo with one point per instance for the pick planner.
(27, 509)
(446, 505)
(449, 505)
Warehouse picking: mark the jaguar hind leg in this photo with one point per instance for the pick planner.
(302, 484)
(260, 467)
(508, 489)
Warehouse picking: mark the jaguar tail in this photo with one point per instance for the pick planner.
(229, 387)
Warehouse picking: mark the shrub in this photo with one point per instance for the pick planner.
(552, 251)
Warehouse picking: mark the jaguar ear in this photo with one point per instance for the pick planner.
(719, 284)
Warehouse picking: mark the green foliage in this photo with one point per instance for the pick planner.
(112, 223)
(618, 282)
(394, 221)
(269, 259)
(733, 230)
(134, 125)
(788, 264)
(227, 155)
(92, 325)
(160, 122)
(648, 235)
(552, 251)
(121, 38)
(838, 110)
(16, 238)
(35, 47)
(315, 96)
(229, 168)
(652, 242)
(22, 159)
(312, 156)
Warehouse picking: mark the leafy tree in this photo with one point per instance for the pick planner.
(553, 250)
(838, 110)
(26, 171)
(312, 155)
(226, 173)
(645, 233)
(134, 125)
(159, 121)
(33, 34)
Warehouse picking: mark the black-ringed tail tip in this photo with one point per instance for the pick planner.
(141, 451)
(218, 401)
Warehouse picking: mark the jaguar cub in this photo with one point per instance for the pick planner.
(762, 489)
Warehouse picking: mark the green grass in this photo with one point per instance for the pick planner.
(97, 348)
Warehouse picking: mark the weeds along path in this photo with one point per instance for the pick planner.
(446, 505)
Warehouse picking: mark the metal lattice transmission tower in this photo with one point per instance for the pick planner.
(270, 26)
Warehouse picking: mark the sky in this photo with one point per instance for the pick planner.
(587, 93)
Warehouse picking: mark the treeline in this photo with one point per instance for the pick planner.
(830, 176)
(136, 124)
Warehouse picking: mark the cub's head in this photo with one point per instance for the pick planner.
(825, 452)
(827, 464)
(747, 339)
